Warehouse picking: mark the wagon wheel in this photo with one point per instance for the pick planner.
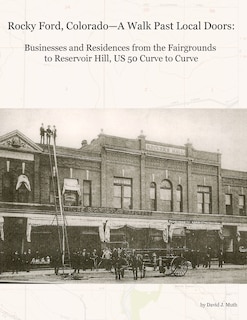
(179, 266)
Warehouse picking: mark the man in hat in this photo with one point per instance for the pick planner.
(54, 133)
(42, 134)
(48, 134)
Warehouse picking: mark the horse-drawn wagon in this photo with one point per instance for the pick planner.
(166, 263)
(143, 261)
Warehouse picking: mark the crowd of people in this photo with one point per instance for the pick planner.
(15, 262)
(48, 133)
(93, 260)
(85, 259)
(204, 258)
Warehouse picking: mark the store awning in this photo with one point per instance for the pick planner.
(71, 185)
(71, 221)
(242, 228)
(136, 224)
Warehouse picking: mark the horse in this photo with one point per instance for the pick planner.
(136, 263)
(119, 263)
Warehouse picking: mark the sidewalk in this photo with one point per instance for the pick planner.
(48, 275)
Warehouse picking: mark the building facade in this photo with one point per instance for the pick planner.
(119, 192)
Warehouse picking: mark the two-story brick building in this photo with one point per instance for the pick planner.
(119, 192)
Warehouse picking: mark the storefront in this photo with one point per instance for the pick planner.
(241, 244)
(14, 234)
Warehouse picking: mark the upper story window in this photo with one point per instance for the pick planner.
(179, 199)
(204, 199)
(241, 205)
(228, 202)
(122, 197)
(87, 193)
(166, 195)
(153, 202)
(8, 187)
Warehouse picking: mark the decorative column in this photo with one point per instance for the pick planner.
(103, 187)
(219, 185)
(142, 146)
(189, 150)
(37, 187)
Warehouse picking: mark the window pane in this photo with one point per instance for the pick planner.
(228, 199)
(126, 203)
(127, 191)
(228, 209)
(165, 195)
(241, 201)
(117, 191)
(206, 208)
(242, 211)
(199, 207)
(206, 198)
(167, 206)
(117, 203)
(86, 200)
(179, 195)
(199, 197)
(152, 193)
(168, 194)
(86, 186)
(162, 194)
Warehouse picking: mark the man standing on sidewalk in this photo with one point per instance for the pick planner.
(16, 262)
(57, 261)
(220, 258)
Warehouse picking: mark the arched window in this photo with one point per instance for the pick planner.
(179, 195)
(153, 202)
(166, 195)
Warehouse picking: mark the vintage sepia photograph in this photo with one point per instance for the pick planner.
(123, 196)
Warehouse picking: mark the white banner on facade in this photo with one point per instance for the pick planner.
(29, 229)
(23, 179)
(71, 185)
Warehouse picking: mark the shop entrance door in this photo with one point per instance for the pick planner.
(14, 235)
